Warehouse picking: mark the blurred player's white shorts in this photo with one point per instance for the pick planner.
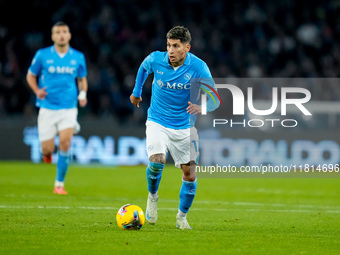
(181, 143)
(51, 122)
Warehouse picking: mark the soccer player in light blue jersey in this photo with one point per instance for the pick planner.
(53, 76)
(168, 126)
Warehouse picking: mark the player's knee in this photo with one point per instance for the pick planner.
(188, 173)
(64, 145)
(157, 158)
(47, 151)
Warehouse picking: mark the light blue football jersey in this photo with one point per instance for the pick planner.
(170, 87)
(58, 75)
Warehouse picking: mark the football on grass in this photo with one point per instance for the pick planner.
(130, 217)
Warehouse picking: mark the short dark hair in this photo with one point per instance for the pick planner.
(59, 24)
(179, 33)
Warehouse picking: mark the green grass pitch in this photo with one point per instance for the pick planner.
(229, 216)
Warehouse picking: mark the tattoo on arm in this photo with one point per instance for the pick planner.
(157, 158)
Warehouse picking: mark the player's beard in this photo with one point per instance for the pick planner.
(177, 63)
(61, 45)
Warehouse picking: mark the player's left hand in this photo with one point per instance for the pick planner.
(82, 98)
(135, 100)
(82, 102)
(194, 109)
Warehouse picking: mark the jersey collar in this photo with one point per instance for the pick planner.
(70, 50)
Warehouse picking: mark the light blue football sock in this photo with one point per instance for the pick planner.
(62, 165)
(154, 175)
(187, 195)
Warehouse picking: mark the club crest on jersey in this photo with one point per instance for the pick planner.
(187, 76)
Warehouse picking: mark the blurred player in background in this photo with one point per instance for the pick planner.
(53, 76)
(168, 122)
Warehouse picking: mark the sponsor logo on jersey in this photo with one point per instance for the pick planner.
(176, 85)
(173, 85)
(160, 83)
(61, 69)
(51, 69)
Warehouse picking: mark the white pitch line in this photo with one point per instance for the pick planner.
(254, 204)
(170, 209)
(211, 202)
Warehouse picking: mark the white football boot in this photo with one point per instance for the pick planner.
(182, 223)
(151, 210)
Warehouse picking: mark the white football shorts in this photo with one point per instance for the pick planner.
(181, 143)
(51, 122)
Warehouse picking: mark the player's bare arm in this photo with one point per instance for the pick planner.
(194, 109)
(32, 82)
(135, 100)
(82, 85)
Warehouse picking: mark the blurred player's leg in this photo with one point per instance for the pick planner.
(47, 131)
(47, 150)
(65, 137)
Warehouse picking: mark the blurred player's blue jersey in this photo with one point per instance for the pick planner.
(170, 87)
(58, 75)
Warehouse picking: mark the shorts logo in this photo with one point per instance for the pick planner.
(150, 148)
(187, 76)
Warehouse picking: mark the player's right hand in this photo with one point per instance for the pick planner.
(135, 100)
(41, 93)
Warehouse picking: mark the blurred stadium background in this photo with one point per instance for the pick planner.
(247, 39)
